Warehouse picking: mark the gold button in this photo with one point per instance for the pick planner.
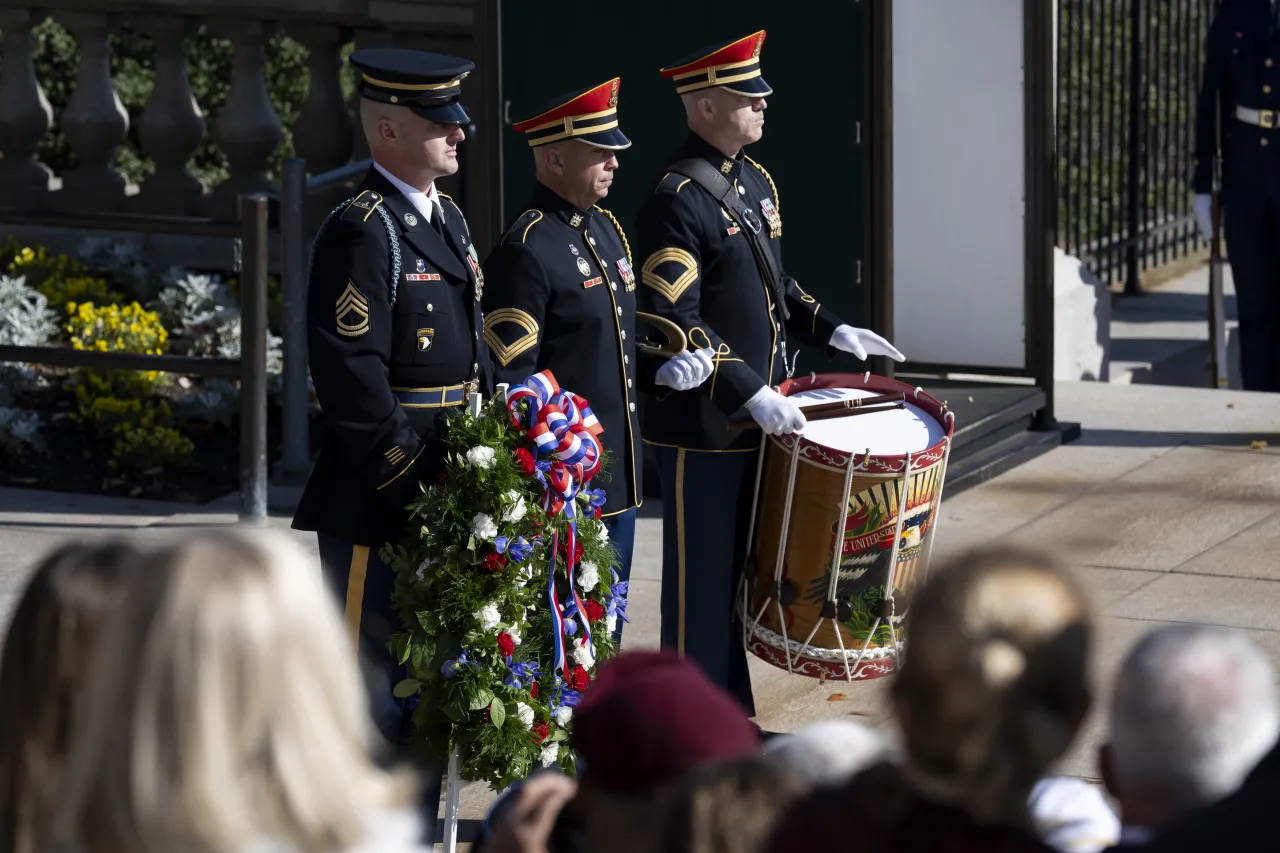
(1268, 62)
(1266, 90)
(1265, 143)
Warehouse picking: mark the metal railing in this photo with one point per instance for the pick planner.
(295, 189)
(1128, 75)
(251, 367)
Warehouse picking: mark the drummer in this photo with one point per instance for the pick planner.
(699, 230)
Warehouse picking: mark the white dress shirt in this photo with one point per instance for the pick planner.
(428, 203)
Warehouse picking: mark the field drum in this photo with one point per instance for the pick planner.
(842, 523)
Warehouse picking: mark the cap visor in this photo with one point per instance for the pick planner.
(613, 138)
(447, 114)
(754, 87)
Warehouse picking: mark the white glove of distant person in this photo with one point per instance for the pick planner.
(686, 370)
(863, 342)
(1203, 205)
(775, 413)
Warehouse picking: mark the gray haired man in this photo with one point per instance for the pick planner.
(1195, 709)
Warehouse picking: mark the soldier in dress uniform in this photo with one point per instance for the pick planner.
(1239, 102)
(710, 235)
(561, 293)
(395, 342)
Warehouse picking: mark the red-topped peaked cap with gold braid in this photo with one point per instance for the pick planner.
(587, 115)
(733, 65)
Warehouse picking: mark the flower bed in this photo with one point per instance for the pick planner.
(137, 433)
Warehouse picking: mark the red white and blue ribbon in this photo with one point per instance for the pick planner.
(564, 429)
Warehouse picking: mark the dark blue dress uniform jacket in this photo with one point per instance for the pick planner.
(1242, 68)
(700, 272)
(560, 294)
(367, 345)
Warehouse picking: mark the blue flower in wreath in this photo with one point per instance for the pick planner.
(616, 603)
(518, 549)
(571, 617)
(562, 696)
(521, 674)
(594, 497)
(450, 668)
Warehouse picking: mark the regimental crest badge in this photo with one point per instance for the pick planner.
(573, 248)
(583, 266)
(424, 339)
(421, 265)
(575, 220)
(628, 275)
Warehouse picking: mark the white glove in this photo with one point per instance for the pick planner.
(1203, 205)
(775, 413)
(863, 342)
(686, 370)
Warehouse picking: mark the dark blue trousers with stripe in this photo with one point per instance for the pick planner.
(1253, 248)
(363, 584)
(706, 506)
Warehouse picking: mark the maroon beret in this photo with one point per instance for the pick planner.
(650, 717)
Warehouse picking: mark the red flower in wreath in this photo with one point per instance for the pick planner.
(533, 690)
(594, 610)
(599, 514)
(506, 644)
(494, 562)
(577, 550)
(540, 731)
(578, 678)
(525, 462)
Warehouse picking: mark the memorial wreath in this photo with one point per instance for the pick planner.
(505, 585)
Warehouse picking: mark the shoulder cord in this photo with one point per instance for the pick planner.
(392, 239)
(618, 227)
(773, 188)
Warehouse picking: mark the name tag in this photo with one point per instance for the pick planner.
(592, 282)
(421, 276)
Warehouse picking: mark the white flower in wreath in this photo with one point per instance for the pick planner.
(524, 576)
(602, 532)
(550, 753)
(563, 715)
(423, 567)
(583, 655)
(611, 622)
(481, 457)
(513, 631)
(484, 527)
(518, 507)
(489, 616)
(525, 713)
(588, 575)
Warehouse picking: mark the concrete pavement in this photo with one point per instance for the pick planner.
(1169, 503)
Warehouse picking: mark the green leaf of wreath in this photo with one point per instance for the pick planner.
(481, 700)
(406, 688)
(497, 713)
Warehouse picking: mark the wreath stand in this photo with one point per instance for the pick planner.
(452, 782)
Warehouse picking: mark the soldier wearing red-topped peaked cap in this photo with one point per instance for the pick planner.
(709, 240)
(560, 294)
(395, 341)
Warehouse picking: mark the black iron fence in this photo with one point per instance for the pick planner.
(1128, 73)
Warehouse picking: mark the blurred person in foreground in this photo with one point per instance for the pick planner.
(47, 656)
(227, 715)
(992, 693)
(648, 720)
(1195, 709)
(1071, 815)
(730, 807)
(829, 752)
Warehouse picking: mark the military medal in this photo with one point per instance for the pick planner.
(583, 266)
(628, 275)
(772, 216)
(474, 261)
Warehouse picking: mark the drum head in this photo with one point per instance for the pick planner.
(890, 433)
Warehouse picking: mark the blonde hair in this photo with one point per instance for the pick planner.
(227, 709)
(71, 595)
(731, 807)
(993, 685)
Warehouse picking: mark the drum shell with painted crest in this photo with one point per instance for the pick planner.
(870, 509)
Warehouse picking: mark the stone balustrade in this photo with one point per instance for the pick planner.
(247, 129)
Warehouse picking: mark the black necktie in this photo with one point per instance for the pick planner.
(437, 218)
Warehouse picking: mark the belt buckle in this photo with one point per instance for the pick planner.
(1267, 118)
(468, 388)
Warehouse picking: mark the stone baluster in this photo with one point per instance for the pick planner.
(25, 114)
(172, 124)
(95, 122)
(364, 39)
(248, 128)
(322, 134)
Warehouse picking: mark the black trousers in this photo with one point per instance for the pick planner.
(706, 505)
(1253, 249)
(363, 584)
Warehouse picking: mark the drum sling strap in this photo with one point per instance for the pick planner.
(710, 179)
